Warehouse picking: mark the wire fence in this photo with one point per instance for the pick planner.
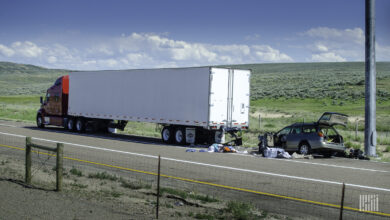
(288, 195)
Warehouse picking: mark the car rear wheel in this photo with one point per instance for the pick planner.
(304, 148)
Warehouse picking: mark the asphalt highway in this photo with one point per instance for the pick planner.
(297, 183)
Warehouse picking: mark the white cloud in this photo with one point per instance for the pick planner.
(26, 49)
(382, 52)
(319, 47)
(356, 34)
(327, 57)
(6, 51)
(269, 54)
(141, 50)
(52, 59)
(335, 45)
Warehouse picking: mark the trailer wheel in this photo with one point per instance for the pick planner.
(167, 135)
(180, 136)
(80, 125)
(70, 125)
(40, 121)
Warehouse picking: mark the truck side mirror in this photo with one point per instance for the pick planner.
(41, 99)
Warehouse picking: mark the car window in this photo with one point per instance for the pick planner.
(284, 131)
(309, 129)
(296, 130)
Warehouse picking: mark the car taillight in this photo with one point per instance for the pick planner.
(320, 134)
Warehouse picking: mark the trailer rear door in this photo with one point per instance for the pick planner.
(240, 98)
(229, 97)
(219, 81)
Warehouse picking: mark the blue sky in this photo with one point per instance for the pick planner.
(148, 34)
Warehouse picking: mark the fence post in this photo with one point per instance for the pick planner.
(158, 186)
(60, 153)
(28, 160)
(356, 129)
(342, 202)
(259, 122)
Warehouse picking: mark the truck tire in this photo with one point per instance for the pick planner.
(167, 134)
(180, 136)
(80, 125)
(71, 124)
(40, 121)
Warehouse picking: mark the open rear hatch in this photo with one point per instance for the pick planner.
(333, 118)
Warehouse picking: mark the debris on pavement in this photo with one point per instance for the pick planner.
(301, 156)
(285, 155)
(228, 149)
(357, 154)
(218, 148)
(215, 148)
(275, 153)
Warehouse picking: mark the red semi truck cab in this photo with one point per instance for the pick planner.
(54, 108)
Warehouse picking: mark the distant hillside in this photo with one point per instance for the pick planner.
(316, 80)
(289, 80)
(22, 79)
(15, 68)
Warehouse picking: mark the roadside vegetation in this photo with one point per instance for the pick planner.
(131, 196)
(281, 94)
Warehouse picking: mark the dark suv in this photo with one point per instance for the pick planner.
(320, 136)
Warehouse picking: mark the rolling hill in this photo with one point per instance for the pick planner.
(339, 81)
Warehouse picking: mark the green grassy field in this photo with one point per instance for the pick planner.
(22, 108)
(339, 81)
(280, 93)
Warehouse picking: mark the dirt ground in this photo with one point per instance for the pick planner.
(103, 197)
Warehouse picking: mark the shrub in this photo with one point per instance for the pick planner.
(349, 144)
(76, 172)
(240, 210)
(103, 176)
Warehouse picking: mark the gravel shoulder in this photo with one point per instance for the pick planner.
(84, 197)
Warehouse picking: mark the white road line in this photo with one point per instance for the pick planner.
(15, 135)
(332, 165)
(111, 138)
(209, 165)
(320, 164)
(5, 125)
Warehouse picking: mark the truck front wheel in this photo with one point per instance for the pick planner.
(70, 125)
(40, 121)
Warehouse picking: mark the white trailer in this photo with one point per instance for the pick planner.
(199, 103)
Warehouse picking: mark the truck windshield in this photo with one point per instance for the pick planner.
(58, 81)
(47, 97)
